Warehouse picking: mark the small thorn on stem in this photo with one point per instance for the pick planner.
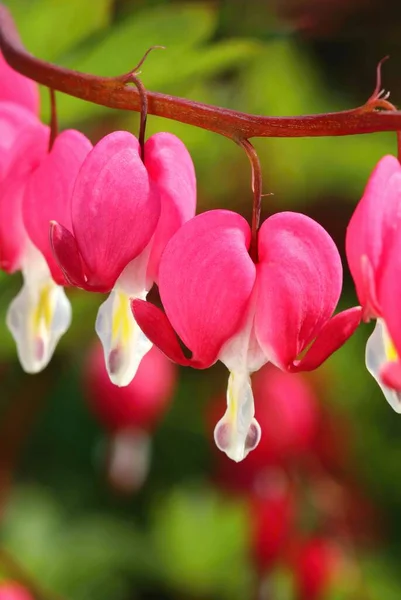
(53, 118)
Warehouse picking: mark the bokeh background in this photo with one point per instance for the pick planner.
(192, 530)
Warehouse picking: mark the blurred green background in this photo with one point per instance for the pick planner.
(180, 536)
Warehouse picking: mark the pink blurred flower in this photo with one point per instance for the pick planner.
(272, 522)
(140, 404)
(123, 213)
(317, 563)
(11, 590)
(130, 413)
(373, 246)
(224, 307)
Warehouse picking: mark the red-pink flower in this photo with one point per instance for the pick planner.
(224, 307)
(130, 413)
(272, 521)
(317, 565)
(123, 213)
(10, 590)
(373, 246)
(35, 186)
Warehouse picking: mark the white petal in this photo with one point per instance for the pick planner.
(129, 460)
(39, 315)
(124, 344)
(377, 354)
(238, 432)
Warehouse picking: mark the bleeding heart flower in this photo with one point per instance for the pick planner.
(224, 307)
(373, 252)
(130, 413)
(37, 187)
(10, 590)
(123, 213)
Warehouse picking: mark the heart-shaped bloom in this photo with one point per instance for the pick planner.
(373, 246)
(225, 307)
(123, 213)
(37, 187)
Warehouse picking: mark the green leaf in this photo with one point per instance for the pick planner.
(49, 28)
(181, 31)
(174, 26)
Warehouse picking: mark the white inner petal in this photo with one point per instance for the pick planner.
(124, 344)
(238, 432)
(39, 315)
(379, 350)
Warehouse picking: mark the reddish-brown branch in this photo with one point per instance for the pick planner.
(257, 195)
(110, 92)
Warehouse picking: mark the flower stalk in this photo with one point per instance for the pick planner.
(108, 91)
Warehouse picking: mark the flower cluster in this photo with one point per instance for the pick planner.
(117, 217)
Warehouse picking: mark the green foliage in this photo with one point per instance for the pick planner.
(201, 542)
(51, 27)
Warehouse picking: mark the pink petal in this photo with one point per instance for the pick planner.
(27, 153)
(67, 255)
(17, 88)
(158, 329)
(170, 166)
(371, 230)
(49, 190)
(205, 280)
(14, 118)
(115, 208)
(332, 336)
(390, 293)
(299, 281)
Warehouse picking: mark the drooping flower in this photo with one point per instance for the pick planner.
(35, 186)
(131, 413)
(373, 252)
(225, 307)
(123, 213)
